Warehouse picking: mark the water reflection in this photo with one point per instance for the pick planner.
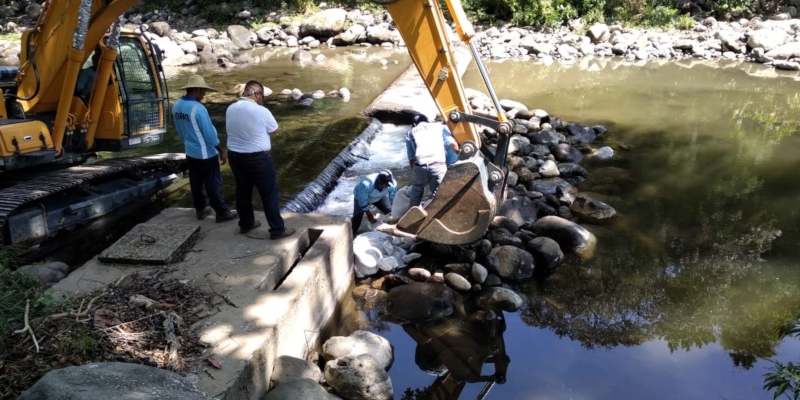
(688, 286)
(456, 350)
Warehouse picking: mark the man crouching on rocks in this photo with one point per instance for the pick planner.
(378, 189)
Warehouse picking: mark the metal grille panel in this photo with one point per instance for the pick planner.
(144, 106)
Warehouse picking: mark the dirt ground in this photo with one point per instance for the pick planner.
(144, 319)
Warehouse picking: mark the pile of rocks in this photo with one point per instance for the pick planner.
(774, 41)
(536, 226)
(356, 368)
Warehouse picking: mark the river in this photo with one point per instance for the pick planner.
(690, 282)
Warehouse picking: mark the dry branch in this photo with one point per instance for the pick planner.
(28, 326)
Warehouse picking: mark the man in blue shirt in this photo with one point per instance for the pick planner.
(203, 151)
(378, 189)
(425, 147)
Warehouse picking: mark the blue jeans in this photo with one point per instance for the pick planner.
(256, 170)
(206, 174)
(358, 214)
(431, 175)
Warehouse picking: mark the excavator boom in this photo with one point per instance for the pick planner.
(473, 188)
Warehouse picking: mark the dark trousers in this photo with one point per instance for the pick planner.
(256, 170)
(206, 174)
(358, 213)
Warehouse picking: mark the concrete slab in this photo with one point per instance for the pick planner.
(279, 293)
(408, 95)
(151, 244)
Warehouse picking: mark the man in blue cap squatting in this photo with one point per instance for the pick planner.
(378, 189)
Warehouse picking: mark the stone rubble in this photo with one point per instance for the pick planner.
(186, 39)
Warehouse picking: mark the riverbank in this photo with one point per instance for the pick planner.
(188, 40)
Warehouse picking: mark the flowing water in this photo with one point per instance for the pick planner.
(688, 285)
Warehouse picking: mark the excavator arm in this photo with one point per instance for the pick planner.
(473, 188)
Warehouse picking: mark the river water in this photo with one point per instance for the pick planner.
(689, 283)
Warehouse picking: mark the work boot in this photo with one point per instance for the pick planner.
(204, 213)
(286, 233)
(255, 225)
(227, 216)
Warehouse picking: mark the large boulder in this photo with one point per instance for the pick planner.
(546, 253)
(241, 37)
(301, 388)
(201, 42)
(113, 380)
(518, 209)
(514, 264)
(358, 343)
(170, 48)
(581, 134)
(563, 152)
(358, 378)
(591, 210)
(324, 24)
(182, 60)
(289, 368)
(224, 47)
(160, 28)
(421, 302)
(497, 298)
(598, 33)
(767, 39)
(547, 137)
(378, 34)
(570, 236)
(551, 185)
(785, 52)
(47, 274)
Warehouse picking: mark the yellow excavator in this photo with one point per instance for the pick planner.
(58, 112)
(48, 129)
(473, 188)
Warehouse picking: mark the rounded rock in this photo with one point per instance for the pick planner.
(457, 282)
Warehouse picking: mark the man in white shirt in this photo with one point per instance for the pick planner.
(425, 147)
(249, 125)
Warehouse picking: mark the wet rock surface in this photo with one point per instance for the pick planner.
(421, 302)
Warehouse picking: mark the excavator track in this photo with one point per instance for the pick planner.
(47, 184)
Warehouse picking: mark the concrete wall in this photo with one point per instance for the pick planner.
(294, 314)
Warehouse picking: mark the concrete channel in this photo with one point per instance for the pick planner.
(279, 295)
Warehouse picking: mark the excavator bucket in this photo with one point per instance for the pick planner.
(463, 206)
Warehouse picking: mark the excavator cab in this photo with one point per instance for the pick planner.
(124, 106)
(473, 188)
(143, 98)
